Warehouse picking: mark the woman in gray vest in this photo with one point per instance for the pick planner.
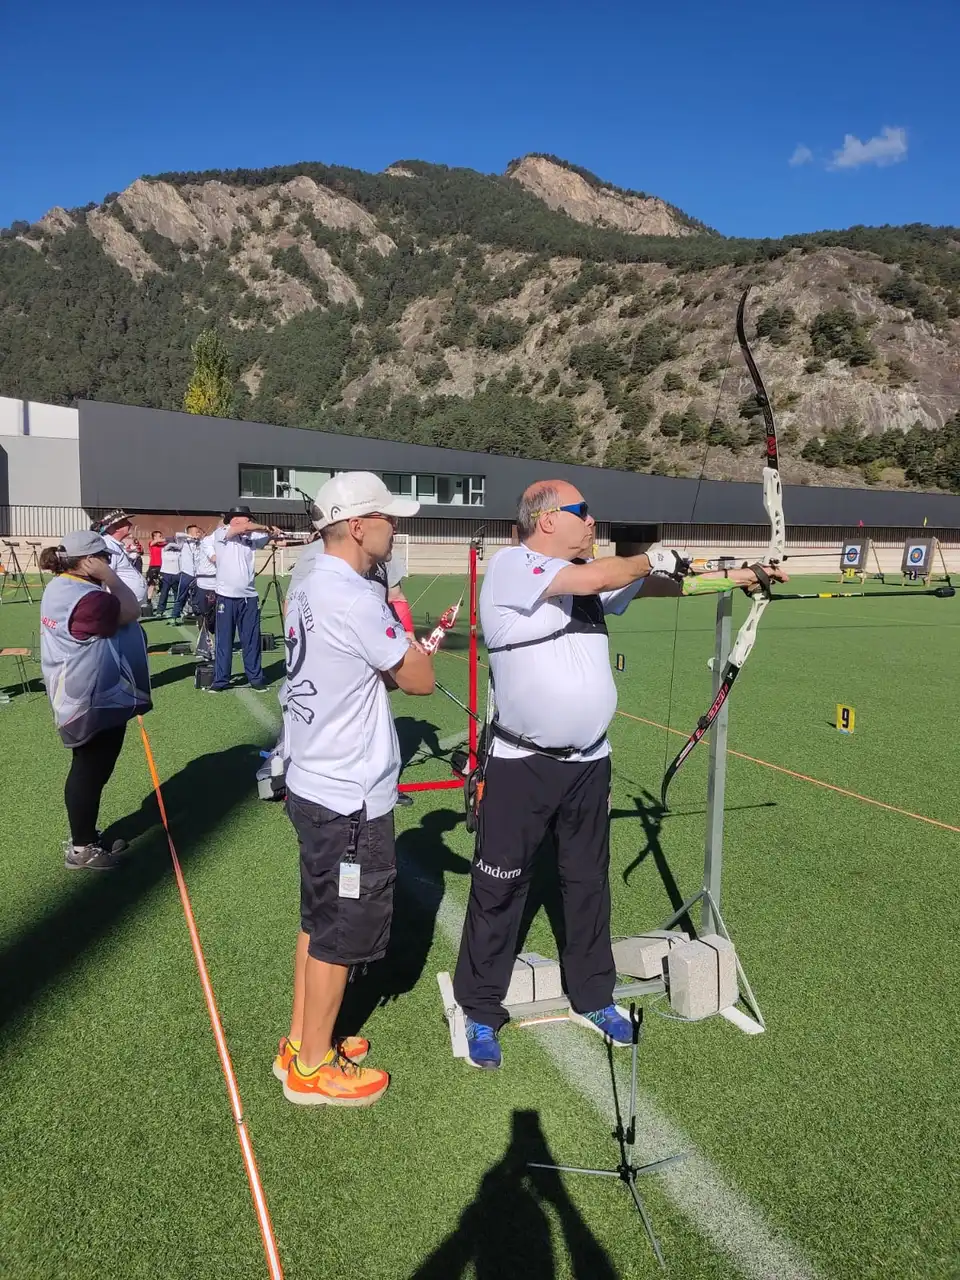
(94, 658)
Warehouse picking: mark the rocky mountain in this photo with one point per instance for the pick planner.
(541, 312)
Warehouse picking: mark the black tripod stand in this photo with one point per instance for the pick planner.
(273, 585)
(13, 569)
(627, 1171)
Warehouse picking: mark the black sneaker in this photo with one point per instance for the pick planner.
(404, 798)
(92, 857)
(116, 846)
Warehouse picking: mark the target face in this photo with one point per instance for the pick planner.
(916, 555)
(851, 554)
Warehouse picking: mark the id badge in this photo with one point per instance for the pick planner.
(349, 880)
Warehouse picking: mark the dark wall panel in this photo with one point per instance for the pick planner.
(154, 460)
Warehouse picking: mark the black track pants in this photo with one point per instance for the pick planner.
(93, 763)
(522, 799)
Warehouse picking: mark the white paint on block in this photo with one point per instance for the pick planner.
(454, 1016)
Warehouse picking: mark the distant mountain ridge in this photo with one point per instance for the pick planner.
(541, 312)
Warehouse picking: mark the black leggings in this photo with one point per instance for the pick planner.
(93, 763)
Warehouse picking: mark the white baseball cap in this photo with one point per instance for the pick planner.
(358, 493)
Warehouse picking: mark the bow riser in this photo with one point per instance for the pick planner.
(773, 506)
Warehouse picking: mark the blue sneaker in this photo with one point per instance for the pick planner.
(609, 1023)
(482, 1046)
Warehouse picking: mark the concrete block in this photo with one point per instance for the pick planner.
(520, 990)
(643, 955)
(699, 977)
(547, 982)
(727, 988)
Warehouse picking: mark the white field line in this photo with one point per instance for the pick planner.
(716, 1208)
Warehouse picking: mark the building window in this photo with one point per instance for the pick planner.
(257, 482)
(427, 488)
(272, 482)
(310, 479)
(399, 485)
(476, 491)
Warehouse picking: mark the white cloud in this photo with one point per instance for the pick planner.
(888, 147)
(801, 155)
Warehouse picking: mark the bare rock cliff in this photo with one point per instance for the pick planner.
(561, 188)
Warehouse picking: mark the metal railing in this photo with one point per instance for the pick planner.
(45, 522)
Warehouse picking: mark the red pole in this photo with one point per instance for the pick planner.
(472, 695)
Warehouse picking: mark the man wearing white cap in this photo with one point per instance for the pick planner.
(344, 650)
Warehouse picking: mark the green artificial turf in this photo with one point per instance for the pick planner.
(837, 1128)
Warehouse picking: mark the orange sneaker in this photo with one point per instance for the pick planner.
(337, 1082)
(353, 1047)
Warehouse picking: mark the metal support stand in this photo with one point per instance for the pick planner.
(627, 1171)
(270, 565)
(708, 896)
(13, 569)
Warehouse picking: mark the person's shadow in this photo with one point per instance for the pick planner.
(417, 738)
(651, 814)
(423, 859)
(504, 1233)
(197, 799)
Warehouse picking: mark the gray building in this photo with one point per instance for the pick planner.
(59, 463)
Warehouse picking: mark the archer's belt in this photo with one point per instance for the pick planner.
(527, 744)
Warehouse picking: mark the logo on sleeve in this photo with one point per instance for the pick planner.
(295, 644)
(538, 568)
(392, 632)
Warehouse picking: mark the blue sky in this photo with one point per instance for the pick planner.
(703, 103)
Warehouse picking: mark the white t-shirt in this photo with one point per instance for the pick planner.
(122, 565)
(170, 559)
(340, 735)
(235, 572)
(206, 563)
(559, 693)
(188, 555)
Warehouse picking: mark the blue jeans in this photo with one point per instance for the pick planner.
(184, 587)
(167, 583)
(244, 616)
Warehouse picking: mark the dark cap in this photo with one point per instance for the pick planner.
(237, 511)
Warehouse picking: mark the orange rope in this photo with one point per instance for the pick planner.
(790, 773)
(803, 777)
(236, 1106)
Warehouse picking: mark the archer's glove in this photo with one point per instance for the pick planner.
(667, 564)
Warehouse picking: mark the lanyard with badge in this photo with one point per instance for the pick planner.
(349, 867)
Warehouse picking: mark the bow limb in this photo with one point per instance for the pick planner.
(776, 551)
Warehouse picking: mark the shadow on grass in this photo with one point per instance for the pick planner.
(505, 1233)
(34, 685)
(197, 800)
(170, 675)
(417, 738)
(423, 859)
(651, 814)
